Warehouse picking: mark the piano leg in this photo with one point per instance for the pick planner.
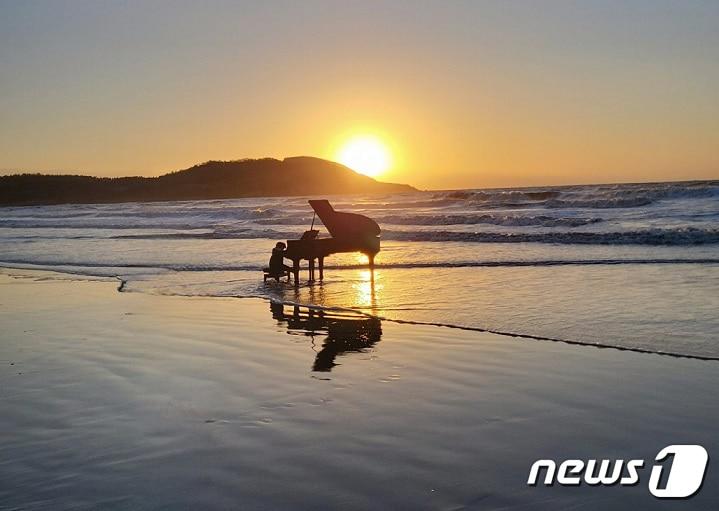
(322, 267)
(371, 261)
(312, 269)
(296, 271)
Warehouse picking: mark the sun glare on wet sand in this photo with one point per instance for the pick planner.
(365, 154)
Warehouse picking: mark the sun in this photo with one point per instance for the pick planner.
(365, 154)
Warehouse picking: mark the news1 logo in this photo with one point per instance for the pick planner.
(684, 478)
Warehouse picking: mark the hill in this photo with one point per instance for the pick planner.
(301, 175)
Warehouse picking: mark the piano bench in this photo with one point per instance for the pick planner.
(277, 276)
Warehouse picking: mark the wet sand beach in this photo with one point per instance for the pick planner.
(133, 401)
(359, 256)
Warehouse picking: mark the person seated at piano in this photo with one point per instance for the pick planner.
(277, 260)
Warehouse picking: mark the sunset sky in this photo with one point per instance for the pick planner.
(460, 94)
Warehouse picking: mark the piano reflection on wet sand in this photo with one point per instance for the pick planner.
(350, 232)
(343, 332)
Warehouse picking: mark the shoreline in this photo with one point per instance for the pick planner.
(7, 270)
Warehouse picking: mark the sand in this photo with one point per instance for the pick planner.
(134, 401)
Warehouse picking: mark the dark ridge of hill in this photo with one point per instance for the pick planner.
(267, 177)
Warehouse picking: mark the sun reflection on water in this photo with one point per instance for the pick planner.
(366, 288)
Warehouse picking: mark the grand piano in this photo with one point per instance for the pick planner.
(350, 232)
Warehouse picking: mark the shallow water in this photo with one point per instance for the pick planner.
(634, 266)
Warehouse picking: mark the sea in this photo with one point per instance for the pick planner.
(625, 266)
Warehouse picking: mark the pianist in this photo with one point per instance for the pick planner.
(277, 260)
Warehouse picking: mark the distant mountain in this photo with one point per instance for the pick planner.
(301, 175)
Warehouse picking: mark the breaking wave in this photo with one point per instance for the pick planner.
(600, 203)
(455, 219)
(505, 220)
(683, 236)
(589, 197)
(671, 237)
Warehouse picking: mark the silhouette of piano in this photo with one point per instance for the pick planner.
(350, 233)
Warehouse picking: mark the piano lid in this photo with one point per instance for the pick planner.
(344, 225)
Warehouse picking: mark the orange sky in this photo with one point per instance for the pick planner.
(464, 94)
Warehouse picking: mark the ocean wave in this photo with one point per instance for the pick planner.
(600, 203)
(454, 219)
(126, 226)
(589, 196)
(182, 267)
(675, 237)
(217, 234)
(437, 202)
(491, 219)
(228, 212)
(684, 236)
(63, 218)
(289, 220)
